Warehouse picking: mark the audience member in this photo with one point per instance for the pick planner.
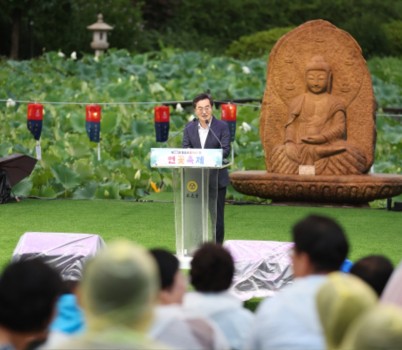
(392, 293)
(340, 301)
(375, 270)
(172, 325)
(118, 290)
(69, 319)
(378, 329)
(289, 320)
(211, 273)
(28, 293)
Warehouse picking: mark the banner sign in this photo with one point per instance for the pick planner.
(186, 158)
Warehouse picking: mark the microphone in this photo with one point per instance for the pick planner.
(213, 133)
(180, 132)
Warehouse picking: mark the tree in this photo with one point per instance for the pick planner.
(34, 26)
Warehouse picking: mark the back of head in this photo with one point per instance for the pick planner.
(168, 265)
(212, 268)
(378, 329)
(119, 287)
(28, 293)
(340, 301)
(375, 270)
(323, 240)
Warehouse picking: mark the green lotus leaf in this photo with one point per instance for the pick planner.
(23, 188)
(108, 191)
(87, 191)
(46, 192)
(77, 122)
(84, 169)
(65, 176)
(110, 122)
(140, 192)
(75, 148)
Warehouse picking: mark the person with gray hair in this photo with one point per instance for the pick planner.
(118, 289)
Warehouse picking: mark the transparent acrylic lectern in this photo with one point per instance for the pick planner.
(195, 186)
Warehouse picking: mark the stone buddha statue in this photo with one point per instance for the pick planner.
(315, 132)
(317, 123)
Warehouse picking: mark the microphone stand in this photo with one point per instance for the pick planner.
(220, 143)
(213, 133)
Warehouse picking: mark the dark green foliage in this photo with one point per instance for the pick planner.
(123, 15)
(256, 45)
(373, 41)
(208, 25)
(387, 80)
(62, 25)
(393, 35)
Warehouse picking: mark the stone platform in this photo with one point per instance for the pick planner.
(345, 189)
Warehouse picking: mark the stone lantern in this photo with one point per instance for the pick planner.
(99, 40)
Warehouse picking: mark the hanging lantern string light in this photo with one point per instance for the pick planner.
(228, 114)
(35, 112)
(93, 115)
(34, 124)
(161, 120)
(165, 103)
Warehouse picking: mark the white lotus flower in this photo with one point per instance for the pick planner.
(156, 87)
(10, 103)
(61, 54)
(191, 117)
(73, 55)
(179, 108)
(137, 175)
(246, 70)
(230, 67)
(245, 127)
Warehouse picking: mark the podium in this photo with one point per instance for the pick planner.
(195, 186)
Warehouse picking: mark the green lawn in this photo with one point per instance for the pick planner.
(151, 223)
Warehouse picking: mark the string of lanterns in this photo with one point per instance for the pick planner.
(93, 116)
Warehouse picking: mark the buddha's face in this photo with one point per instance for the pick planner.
(317, 81)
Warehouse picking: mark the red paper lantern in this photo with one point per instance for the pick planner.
(35, 111)
(161, 114)
(161, 119)
(93, 118)
(228, 114)
(34, 119)
(93, 113)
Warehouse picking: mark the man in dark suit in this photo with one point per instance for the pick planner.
(209, 132)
